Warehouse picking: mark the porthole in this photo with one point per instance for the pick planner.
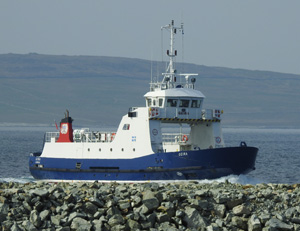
(88, 149)
(111, 149)
(122, 149)
(134, 149)
(99, 149)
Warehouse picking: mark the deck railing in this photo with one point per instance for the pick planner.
(174, 138)
(83, 135)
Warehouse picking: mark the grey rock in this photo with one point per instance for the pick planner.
(116, 220)
(55, 219)
(280, 217)
(221, 198)
(199, 204)
(125, 205)
(193, 218)
(4, 208)
(121, 189)
(146, 225)
(152, 219)
(278, 225)
(2, 217)
(112, 211)
(75, 215)
(151, 203)
(66, 228)
(136, 200)
(97, 225)
(179, 213)
(162, 217)
(39, 206)
(29, 226)
(167, 226)
(167, 207)
(110, 203)
(202, 192)
(219, 222)
(133, 225)
(239, 222)
(289, 213)
(295, 220)
(254, 223)
(27, 206)
(234, 202)
(3, 199)
(80, 224)
(15, 227)
(97, 202)
(90, 208)
(44, 215)
(264, 218)
(213, 227)
(220, 210)
(241, 210)
(148, 194)
(141, 210)
(134, 216)
(35, 218)
(40, 192)
(118, 228)
(6, 225)
(70, 198)
(99, 213)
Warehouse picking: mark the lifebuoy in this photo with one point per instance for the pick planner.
(185, 138)
(112, 136)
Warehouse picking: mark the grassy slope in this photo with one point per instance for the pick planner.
(99, 90)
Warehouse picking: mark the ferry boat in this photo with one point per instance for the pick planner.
(172, 138)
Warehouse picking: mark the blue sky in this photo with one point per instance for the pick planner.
(249, 34)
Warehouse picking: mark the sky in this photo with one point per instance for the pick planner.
(247, 34)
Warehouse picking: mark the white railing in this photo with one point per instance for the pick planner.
(174, 138)
(83, 135)
(211, 114)
(51, 135)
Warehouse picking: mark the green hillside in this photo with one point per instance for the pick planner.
(36, 89)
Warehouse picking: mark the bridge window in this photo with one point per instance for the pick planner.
(184, 103)
(172, 103)
(160, 102)
(126, 126)
(149, 102)
(196, 103)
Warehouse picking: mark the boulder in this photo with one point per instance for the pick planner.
(254, 223)
(241, 210)
(35, 219)
(278, 225)
(193, 219)
(80, 224)
(116, 220)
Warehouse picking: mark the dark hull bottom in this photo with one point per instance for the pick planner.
(187, 165)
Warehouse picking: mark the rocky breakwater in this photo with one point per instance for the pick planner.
(149, 206)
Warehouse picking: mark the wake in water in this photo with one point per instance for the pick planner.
(241, 179)
(22, 180)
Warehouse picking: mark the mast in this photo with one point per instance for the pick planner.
(169, 76)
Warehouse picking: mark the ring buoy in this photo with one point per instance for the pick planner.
(185, 138)
(112, 136)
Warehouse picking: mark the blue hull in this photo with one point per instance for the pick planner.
(184, 165)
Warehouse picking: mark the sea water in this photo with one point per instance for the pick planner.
(278, 159)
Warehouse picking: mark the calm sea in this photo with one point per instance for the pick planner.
(278, 158)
